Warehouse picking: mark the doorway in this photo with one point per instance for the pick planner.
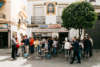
(63, 34)
(3, 39)
(95, 34)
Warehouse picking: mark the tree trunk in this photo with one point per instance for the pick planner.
(80, 33)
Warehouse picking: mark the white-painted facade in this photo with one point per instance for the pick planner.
(49, 19)
(14, 10)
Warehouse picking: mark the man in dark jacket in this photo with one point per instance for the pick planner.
(76, 51)
(27, 42)
(50, 45)
(87, 45)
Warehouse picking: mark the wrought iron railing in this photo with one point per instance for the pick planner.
(59, 20)
(2, 16)
(38, 20)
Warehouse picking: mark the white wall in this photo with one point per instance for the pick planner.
(75, 33)
(55, 34)
(29, 32)
(15, 29)
(15, 9)
(19, 31)
(49, 18)
(97, 2)
(6, 9)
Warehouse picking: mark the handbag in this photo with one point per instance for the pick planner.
(71, 48)
(17, 46)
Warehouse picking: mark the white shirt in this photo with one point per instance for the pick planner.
(81, 45)
(43, 40)
(46, 46)
(91, 41)
(13, 41)
(67, 45)
(55, 43)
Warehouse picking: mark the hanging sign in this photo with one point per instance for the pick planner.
(49, 26)
(3, 25)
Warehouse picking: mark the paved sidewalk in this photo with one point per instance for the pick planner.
(6, 61)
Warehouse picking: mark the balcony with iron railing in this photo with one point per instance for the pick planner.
(2, 16)
(37, 19)
(59, 20)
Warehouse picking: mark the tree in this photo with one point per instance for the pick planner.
(79, 15)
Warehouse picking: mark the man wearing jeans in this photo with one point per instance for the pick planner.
(50, 46)
(27, 44)
(14, 43)
(76, 51)
(31, 48)
(55, 46)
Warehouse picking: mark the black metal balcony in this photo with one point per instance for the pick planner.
(38, 20)
(59, 20)
(2, 16)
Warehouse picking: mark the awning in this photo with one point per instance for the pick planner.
(3, 30)
(1, 4)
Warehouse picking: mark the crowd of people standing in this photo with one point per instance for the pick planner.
(53, 45)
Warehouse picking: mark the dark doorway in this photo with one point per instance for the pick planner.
(3, 39)
(95, 34)
(63, 34)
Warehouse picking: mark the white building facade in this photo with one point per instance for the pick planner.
(46, 23)
(13, 15)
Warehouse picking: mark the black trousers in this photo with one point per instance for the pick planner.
(13, 51)
(91, 53)
(66, 50)
(31, 48)
(16, 50)
(74, 55)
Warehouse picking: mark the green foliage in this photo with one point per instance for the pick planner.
(79, 15)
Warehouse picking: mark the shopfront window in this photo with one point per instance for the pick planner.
(37, 34)
(46, 34)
